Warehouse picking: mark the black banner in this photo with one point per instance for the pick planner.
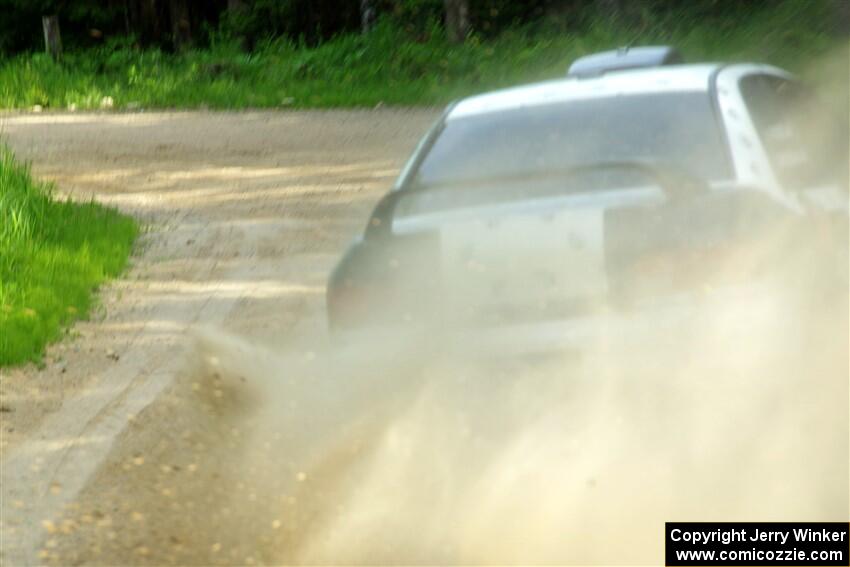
(753, 543)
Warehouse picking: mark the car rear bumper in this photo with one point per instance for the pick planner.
(652, 324)
(740, 309)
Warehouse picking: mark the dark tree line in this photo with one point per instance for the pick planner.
(178, 24)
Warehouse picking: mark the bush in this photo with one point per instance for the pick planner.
(397, 64)
(52, 256)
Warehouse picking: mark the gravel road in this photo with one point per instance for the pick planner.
(199, 417)
(244, 214)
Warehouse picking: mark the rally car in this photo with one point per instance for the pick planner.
(634, 181)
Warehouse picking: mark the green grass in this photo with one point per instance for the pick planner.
(53, 254)
(392, 66)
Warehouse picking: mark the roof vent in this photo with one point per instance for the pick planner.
(624, 58)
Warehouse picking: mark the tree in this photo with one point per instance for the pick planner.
(842, 18)
(457, 19)
(52, 37)
(237, 13)
(367, 15)
(149, 25)
(181, 24)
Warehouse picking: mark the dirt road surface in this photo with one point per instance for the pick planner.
(244, 215)
(199, 418)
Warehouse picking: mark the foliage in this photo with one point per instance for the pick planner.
(92, 23)
(52, 255)
(298, 20)
(392, 64)
(20, 24)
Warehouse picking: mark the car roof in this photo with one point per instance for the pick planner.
(668, 78)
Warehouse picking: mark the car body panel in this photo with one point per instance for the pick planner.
(547, 270)
(656, 321)
(752, 166)
(671, 79)
(563, 258)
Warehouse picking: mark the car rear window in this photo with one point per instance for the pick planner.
(679, 129)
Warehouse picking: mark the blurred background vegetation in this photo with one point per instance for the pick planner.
(268, 53)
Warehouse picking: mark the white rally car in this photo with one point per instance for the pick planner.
(606, 199)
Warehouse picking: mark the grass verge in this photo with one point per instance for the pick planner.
(392, 66)
(53, 254)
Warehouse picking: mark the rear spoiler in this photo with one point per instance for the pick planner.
(624, 58)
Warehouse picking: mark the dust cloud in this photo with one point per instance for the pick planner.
(435, 459)
(402, 448)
